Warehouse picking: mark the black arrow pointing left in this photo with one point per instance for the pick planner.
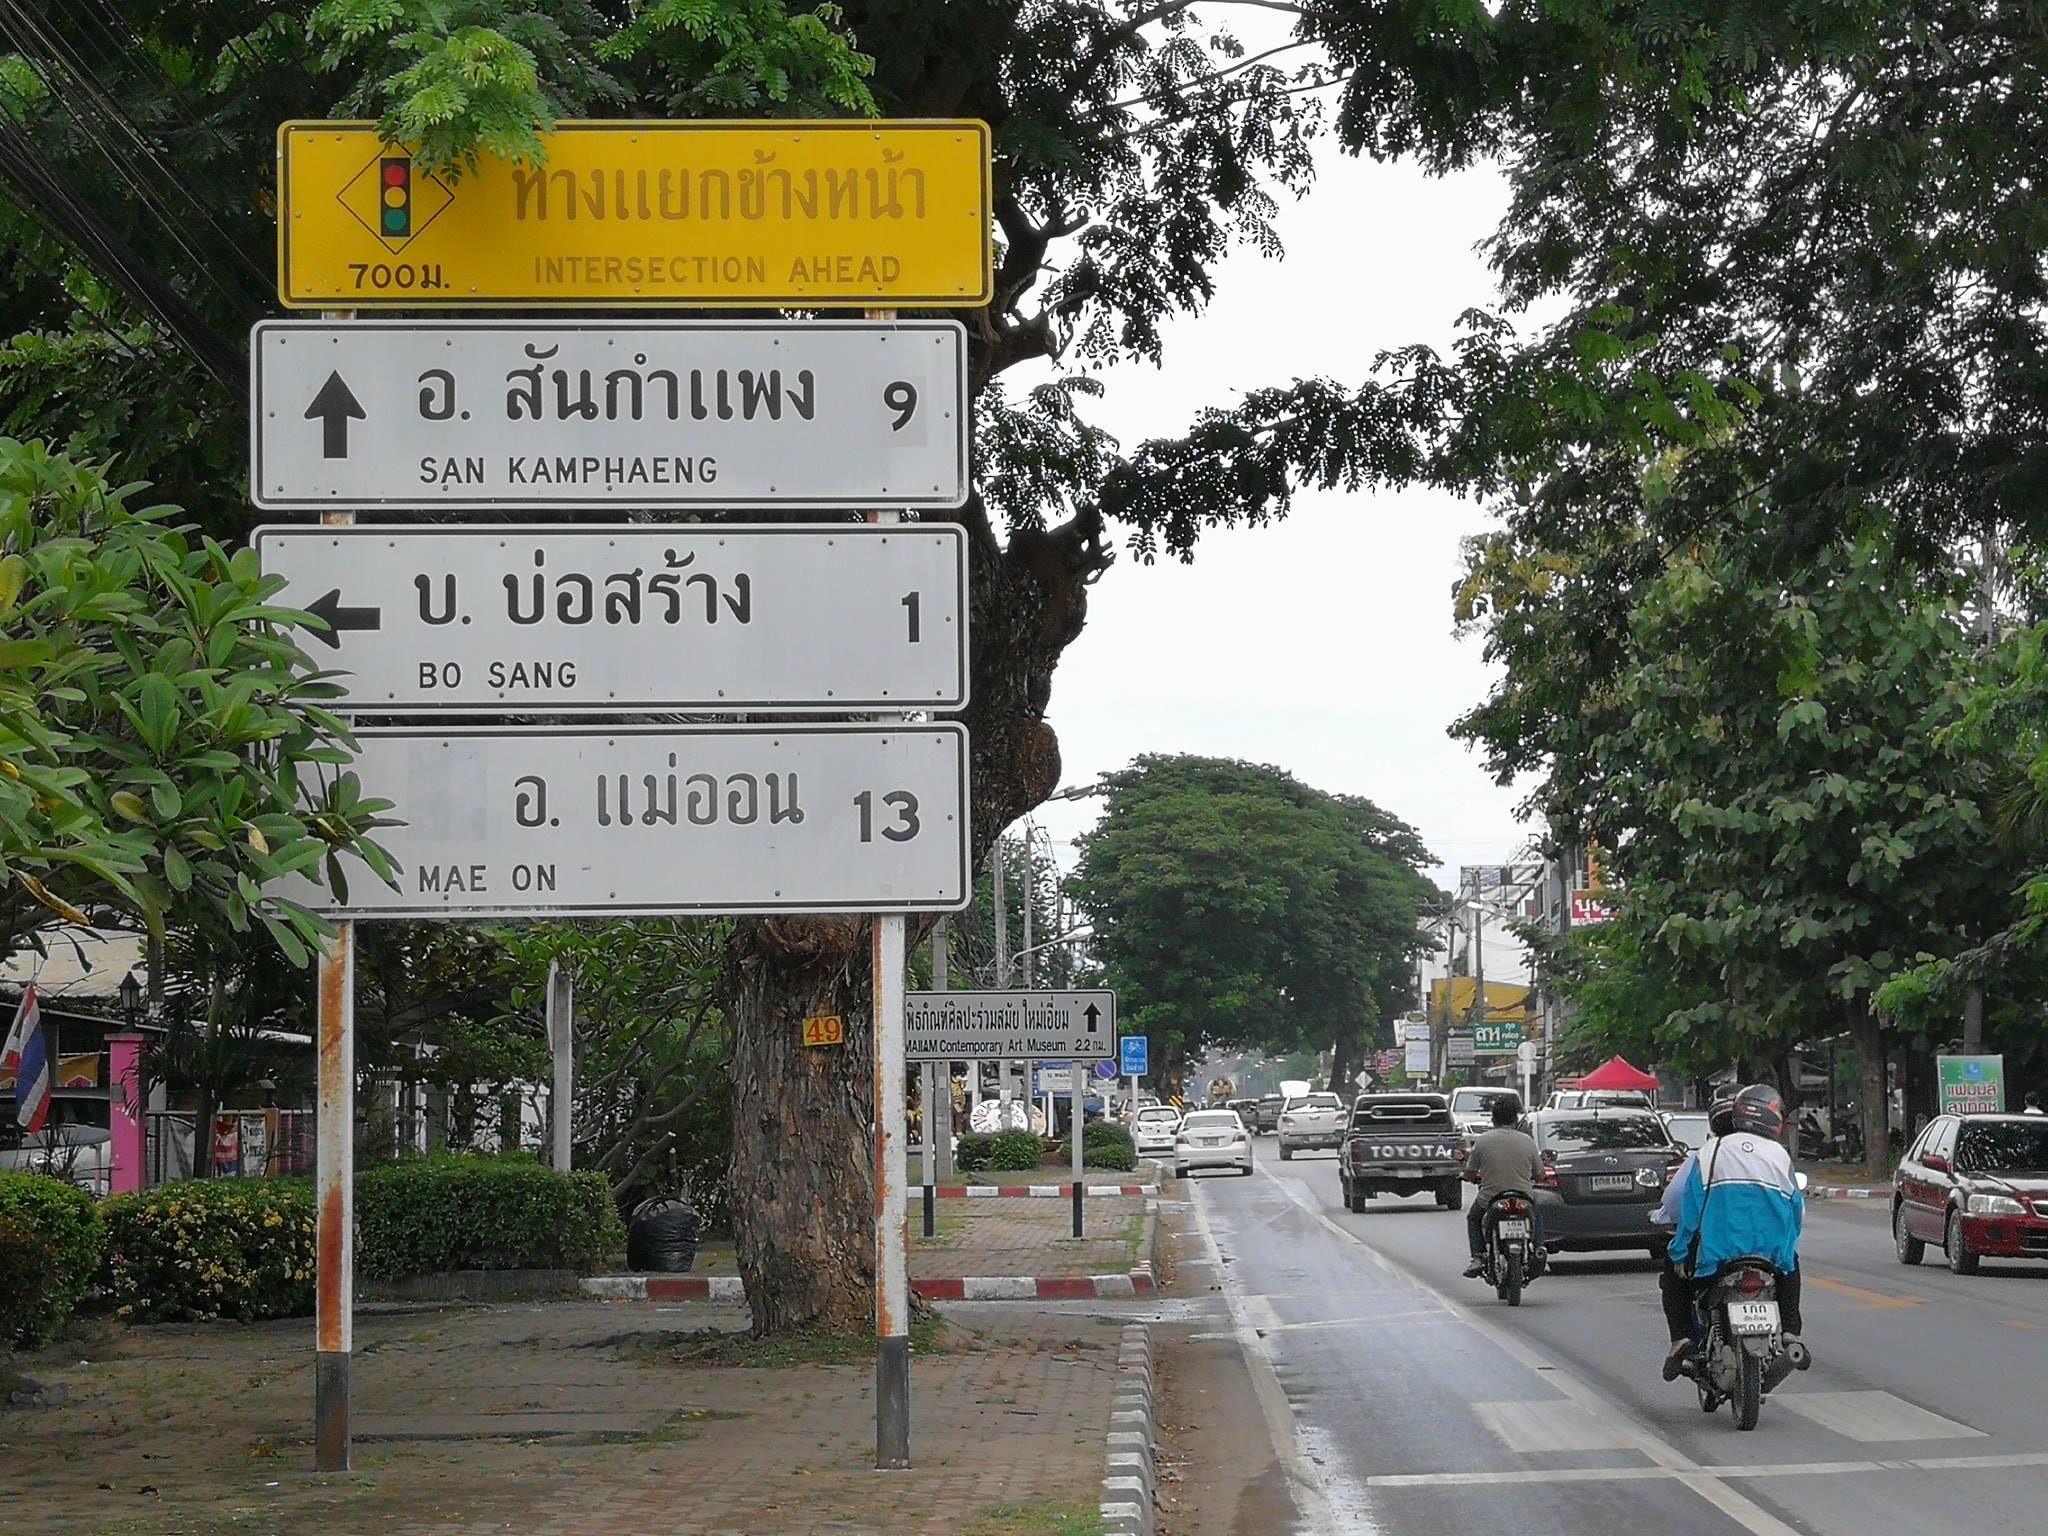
(334, 408)
(339, 618)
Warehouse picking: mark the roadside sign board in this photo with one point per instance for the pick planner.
(994, 1026)
(1496, 1037)
(1134, 1055)
(621, 821)
(1458, 1048)
(1106, 1070)
(1415, 1041)
(614, 619)
(1590, 907)
(1971, 1085)
(505, 414)
(815, 214)
(1053, 1077)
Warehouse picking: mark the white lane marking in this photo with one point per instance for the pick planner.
(1547, 1425)
(1304, 1470)
(1432, 1315)
(1874, 1416)
(1260, 1314)
(1704, 1481)
(1644, 1474)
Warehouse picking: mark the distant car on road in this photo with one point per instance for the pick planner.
(1604, 1172)
(1311, 1120)
(1688, 1127)
(1472, 1108)
(1598, 1098)
(1977, 1185)
(1154, 1127)
(1246, 1110)
(1268, 1120)
(1212, 1138)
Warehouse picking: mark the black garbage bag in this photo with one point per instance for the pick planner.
(661, 1238)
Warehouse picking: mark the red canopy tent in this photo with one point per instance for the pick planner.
(1617, 1073)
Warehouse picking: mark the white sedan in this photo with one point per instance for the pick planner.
(1153, 1128)
(1212, 1138)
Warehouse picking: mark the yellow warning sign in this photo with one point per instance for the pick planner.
(631, 215)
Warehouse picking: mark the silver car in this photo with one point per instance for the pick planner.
(1212, 1138)
(1153, 1128)
(79, 1154)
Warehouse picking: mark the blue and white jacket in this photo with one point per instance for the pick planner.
(1737, 1196)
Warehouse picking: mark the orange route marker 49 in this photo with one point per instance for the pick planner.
(816, 214)
(825, 1029)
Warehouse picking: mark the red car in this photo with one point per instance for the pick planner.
(1976, 1185)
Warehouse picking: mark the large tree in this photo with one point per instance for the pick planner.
(1234, 906)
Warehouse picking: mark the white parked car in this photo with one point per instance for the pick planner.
(1154, 1127)
(1212, 1138)
(80, 1154)
(1472, 1108)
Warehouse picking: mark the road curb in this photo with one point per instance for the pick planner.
(1045, 1191)
(666, 1288)
(1843, 1192)
(1130, 1474)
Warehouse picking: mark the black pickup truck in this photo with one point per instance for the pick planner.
(1401, 1144)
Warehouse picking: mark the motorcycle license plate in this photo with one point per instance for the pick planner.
(1752, 1317)
(1512, 1228)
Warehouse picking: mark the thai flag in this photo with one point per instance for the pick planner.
(28, 1047)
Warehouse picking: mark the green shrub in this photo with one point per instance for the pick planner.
(438, 1214)
(50, 1239)
(1014, 1150)
(1108, 1146)
(973, 1150)
(239, 1248)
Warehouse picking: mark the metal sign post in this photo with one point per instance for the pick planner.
(607, 619)
(561, 1022)
(502, 416)
(334, 1216)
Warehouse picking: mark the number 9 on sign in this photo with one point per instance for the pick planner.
(825, 1029)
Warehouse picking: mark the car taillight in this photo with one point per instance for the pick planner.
(1749, 1283)
(1547, 1179)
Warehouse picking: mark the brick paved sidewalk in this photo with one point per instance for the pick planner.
(552, 1420)
(1007, 1237)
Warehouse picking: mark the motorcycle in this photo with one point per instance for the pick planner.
(1741, 1353)
(1512, 1257)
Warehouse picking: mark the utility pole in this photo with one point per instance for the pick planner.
(941, 979)
(1002, 974)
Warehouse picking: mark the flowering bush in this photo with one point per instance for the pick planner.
(49, 1247)
(240, 1248)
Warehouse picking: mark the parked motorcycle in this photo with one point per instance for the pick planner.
(1742, 1354)
(1512, 1256)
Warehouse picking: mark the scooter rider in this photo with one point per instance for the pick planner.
(1673, 1288)
(1737, 1197)
(1501, 1161)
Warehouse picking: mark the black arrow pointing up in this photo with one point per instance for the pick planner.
(339, 618)
(1092, 1014)
(334, 407)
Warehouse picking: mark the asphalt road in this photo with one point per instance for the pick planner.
(1406, 1400)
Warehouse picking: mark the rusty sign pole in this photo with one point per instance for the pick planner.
(334, 1174)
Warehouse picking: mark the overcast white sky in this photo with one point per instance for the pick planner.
(1322, 644)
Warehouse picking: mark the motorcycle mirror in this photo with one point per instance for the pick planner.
(1802, 1180)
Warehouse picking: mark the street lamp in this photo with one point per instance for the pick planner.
(131, 999)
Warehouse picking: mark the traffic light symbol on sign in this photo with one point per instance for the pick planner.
(394, 217)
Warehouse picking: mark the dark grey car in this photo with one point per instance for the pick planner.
(1604, 1175)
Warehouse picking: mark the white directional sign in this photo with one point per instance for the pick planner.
(614, 822)
(560, 413)
(617, 619)
(988, 1026)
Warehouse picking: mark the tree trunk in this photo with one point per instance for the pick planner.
(1869, 1037)
(1341, 1064)
(803, 1142)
